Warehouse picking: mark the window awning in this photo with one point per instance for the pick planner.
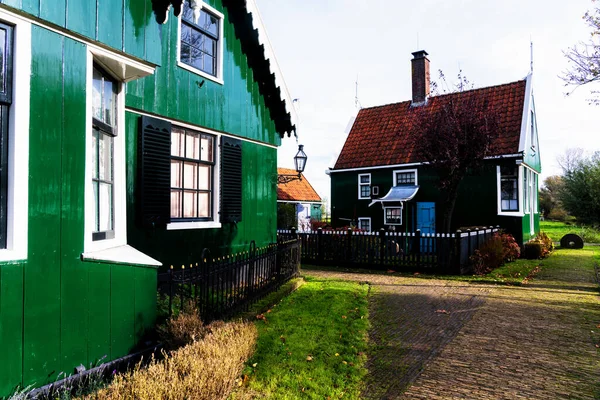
(397, 195)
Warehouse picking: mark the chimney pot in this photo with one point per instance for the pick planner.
(420, 76)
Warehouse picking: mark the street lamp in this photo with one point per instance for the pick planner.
(300, 162)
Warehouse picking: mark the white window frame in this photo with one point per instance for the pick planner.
(360, 197)
(18, 144)
(216, 189)
(219, 78)
(401, 207)
(113, 249)
(365, 219)
(397, 171)
(519, 212)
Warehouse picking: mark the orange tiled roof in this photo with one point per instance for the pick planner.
(296, 190)
(381, 135)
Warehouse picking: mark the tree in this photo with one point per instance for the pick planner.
(549, 195)
(580, 194)
(570, 159)
(454, 134)
(584, 58)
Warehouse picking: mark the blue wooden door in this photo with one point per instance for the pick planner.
(426, 223)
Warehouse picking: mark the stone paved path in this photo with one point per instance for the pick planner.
(435, 339)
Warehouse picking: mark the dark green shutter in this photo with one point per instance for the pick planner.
(155, 172)
(231, 180)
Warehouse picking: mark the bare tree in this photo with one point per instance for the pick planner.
(584, 58)
(454, 134)
(570, 159)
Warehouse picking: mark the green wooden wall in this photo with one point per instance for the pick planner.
(235, 107)
(57, 312)
(476, 204)
(125, 25)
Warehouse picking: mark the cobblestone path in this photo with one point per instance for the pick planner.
(436, 339)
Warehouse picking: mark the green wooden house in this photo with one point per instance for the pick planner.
(379, 180)
(134, 133)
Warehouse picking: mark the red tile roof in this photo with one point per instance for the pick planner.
(296, 190)
(382, 135)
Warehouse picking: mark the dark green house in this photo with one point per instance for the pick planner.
(379, 181)
(134, 133)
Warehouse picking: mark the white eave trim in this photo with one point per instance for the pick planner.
(526, 113)
(300, 201)
(331, 171)
(263, 39)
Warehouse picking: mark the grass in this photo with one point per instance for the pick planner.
(556, 230)
(311, 345)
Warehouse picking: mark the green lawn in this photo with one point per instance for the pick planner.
(556, 230)
(311, 345)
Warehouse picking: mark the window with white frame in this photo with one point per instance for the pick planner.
(364, 224)
(201, 39)
(104, 130)
(192, 175)
(509, 188)
(105, 226)
(6, 98)
(405, 177)
(364, 186)
(15, 77)
(392, 216)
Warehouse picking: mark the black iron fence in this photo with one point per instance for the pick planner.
(400, 251)
(223, 286)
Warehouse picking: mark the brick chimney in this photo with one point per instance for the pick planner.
(420, 77)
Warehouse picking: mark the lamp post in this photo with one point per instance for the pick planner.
(300, 163)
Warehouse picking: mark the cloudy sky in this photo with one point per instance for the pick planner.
(323, 46)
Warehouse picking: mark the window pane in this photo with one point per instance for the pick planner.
(96, 207)
(209, 46)
(177, 136)
(175, 204)
(97, 95)
(204, 205)
(209, 64)
(192, 145)
(196, 58)
(95, 135)
(188, 13)
(176, 173)
(198, 39)
(109, 98)
(405, 178)
(204, 175)
(2, 59)
(190, 176)
(365, 179)
(185, 53)
(211, 24)
(186, 33)
(190, 204)
(206, 151)
(106, 207)
(508, 171)
(365, 190)
(105, 157)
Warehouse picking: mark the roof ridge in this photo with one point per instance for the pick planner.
(448, 94)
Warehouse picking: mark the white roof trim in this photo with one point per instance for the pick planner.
(526, 113)
(263, 39)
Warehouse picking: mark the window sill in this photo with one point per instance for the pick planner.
(511, 213)
(364, 198)
(10, 255)
(200, 73)
(175, 226)
(121, 255)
